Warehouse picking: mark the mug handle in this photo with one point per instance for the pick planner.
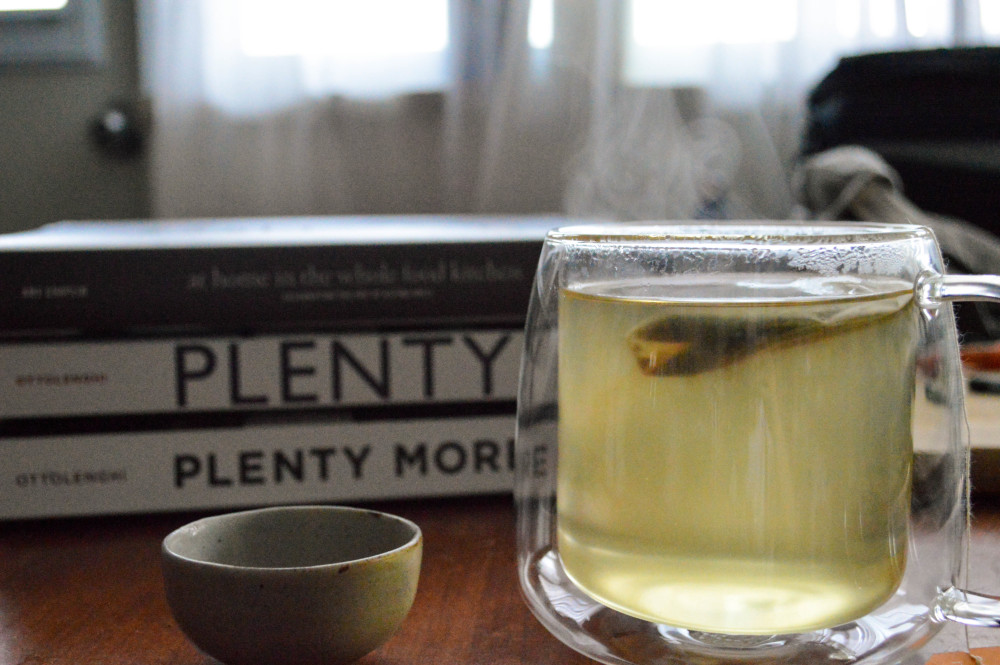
(971, 609)
(932, 289)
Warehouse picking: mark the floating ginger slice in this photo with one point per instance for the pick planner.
(685, 345)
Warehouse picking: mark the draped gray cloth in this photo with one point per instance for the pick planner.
(853, 182)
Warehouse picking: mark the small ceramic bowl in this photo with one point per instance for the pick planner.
(316, 585)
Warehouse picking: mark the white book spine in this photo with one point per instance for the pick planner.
(134, 472)
(262, 372)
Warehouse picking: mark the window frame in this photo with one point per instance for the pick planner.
(72, 35)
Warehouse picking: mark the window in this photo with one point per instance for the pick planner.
(989, 16)
(261, 56)
(654, 23)
(541, 24)
(51, 31)
(676, 44)
(350, 46)
(688, 44)
(31, 5)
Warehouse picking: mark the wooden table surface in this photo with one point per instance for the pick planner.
(81, 591)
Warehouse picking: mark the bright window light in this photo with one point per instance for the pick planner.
(917, 19)
(540, 24)
(655, 23)
(928, 18)
(848, 13)
(989, 16)
(359, 48)
(343, 27)
(31, 5)
(882, 17)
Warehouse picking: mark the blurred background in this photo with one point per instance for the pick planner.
(125, 109)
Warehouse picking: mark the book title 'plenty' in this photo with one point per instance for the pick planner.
(351, 370)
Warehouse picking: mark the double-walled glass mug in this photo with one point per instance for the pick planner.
(744, 443)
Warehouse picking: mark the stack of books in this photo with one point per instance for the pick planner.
(178, 365)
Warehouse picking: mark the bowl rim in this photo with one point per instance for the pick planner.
(199, 524)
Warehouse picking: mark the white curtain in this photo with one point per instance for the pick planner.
(602, 119)
(241, 135)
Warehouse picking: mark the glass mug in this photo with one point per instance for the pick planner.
(744, 442)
